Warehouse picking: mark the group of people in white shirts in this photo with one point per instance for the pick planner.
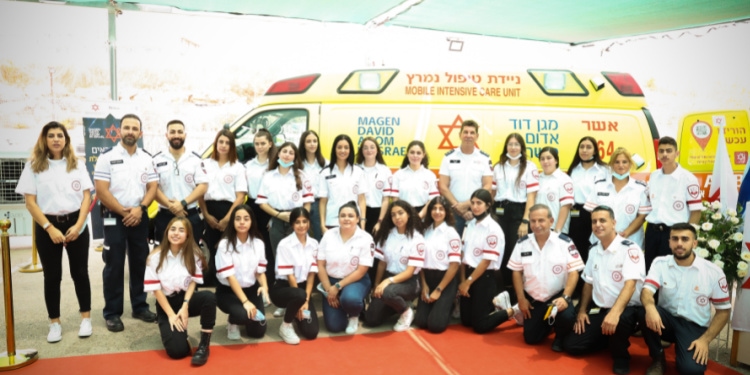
(369, 240)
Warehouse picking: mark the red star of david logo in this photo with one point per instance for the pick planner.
(446, 143)
(113, 133)
(95, 107)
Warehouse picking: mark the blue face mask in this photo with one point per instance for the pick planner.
(285, 165)
(621, 176)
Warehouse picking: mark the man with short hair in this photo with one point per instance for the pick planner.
(688, 285)
(125, 184)
(545, 268)
(614, 277)
(462, 171)
(675, 198)
(182, 180)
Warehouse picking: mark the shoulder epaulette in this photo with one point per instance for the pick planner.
(564, 237)
(106, 150)
(602, 180)
(628, 242)
(484, 153)
(450, 152)
(196, 154)
(639, 182)
(156, 154)
(593, 244)
(524, 238)
(147, 153)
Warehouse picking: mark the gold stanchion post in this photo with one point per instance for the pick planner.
(12, 359)
(35, 266)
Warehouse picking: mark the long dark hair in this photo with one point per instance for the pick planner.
(297, 212)
(296, 167)
(504, 156)
(302, 156)
(485, 196)
(232, 155)
(230, 234)
(577, 157)
(349, 159)
(360, 159)
(189, 249)
(262, 132)
(425, 159)
(552, 151)
(412, 225)
(40, 154)
(439, 200)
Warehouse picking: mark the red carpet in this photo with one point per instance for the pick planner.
(456, 351)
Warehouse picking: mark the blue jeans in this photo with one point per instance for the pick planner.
(351, 299)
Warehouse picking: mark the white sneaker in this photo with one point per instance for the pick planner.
(286, 331)
(233, 331)
(279, 312)
(517, 315)
(502, 301)
(353, 325)
(404, 321)
(55, 332)
(85, 330)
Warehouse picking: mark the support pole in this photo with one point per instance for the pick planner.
(112, 52)
(11, 359)
(34, 267)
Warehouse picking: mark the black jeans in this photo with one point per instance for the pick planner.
(477, 311)
(228, 303)
(536, 329)
(211, 237)
(435, 316)
(50, 254)
(678, 330)
(202, 303)
(292, 299)
(396, 299)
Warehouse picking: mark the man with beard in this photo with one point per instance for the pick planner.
(687, 285)
(182, 180)
(125, 183)
(613, 278)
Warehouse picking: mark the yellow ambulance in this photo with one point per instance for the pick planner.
(549, 107)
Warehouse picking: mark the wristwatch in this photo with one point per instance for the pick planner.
(525, 221)
(184, 204)
(567, 299)
(469, 278)
(337, 285)
(439, 289)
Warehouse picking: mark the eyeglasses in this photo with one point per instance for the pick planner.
(176, 169)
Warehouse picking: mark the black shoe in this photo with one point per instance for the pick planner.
(145, 315)
(201, 355)
(114, 324)
(657, 366)
(557, 345)
(621, 366)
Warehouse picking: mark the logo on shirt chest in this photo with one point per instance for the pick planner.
(144, 178)
(629, 209)
(379, 185)
(76, 185)
(403, 260)
(189, 178)
(678, 206)
(477, 252)
(440, 255)
(557, 269)
(617, 276)
(295, 196)
(551, 197)
(354, 261)
(228, 179)
(702, 300)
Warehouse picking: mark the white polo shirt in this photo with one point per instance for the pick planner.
(341, 188)
(545, 271)
(608, 269)
(584, 180)
(254, 172)
(224, 182)
(416, 187)
(292, 258)
(178, 182)
(280, 191)
(313, 173)
(631, 201)
(401, 251)
(243, 261)
(687, 291)
(483, 240)
(443, 247)
(673, 196)
(555, 191)
(127, 174)
(378, 179)
(173, 276)
(465, 171)
(57, 191)
(343, 258)
(504, 182)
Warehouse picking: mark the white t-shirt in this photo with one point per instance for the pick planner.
(483, 240)
(504, 182)
(177, 183)
(341, 188)
(608, 269)
(401, 251)
(243, 261)
(57, 191)
(172, 277)
(465, 171)
(343, 258)
(443, 247)
(224, 182)
(292, 258)
(416, 187)
(556, 191)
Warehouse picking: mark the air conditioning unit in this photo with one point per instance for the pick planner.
(12, 205)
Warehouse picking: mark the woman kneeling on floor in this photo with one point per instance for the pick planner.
(172, 270)
(400, 247)
(240, 269)
(297, 266)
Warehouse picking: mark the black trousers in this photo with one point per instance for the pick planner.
(372, 214)
(292, 299)
(656, 243)
(580, 230)
(164, 216)
(510, 221)
(396, 299)
(229, 304)
(211, 237)
(263, 219)
(678, 330)
(435, 316)
(478, 311)
(202, 303)
(50, 254)
(536, 329)
(592, 339)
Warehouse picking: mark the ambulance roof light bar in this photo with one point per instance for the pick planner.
(296, 85)
(623, 83)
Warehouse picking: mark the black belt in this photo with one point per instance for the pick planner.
(505, 203)
(659, 227)
(190, 211)
(72, 216)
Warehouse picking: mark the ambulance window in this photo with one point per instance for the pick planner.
(286, 125)
(558, 82)
(367, 81)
